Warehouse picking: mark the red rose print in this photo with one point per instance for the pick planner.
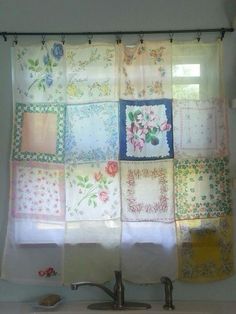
(112, 168)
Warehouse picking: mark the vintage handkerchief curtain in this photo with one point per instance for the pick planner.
(119, 161)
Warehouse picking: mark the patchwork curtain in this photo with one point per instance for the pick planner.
(119, 161)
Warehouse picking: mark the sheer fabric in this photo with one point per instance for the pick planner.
(119, 161)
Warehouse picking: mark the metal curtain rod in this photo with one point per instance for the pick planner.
(222, 31)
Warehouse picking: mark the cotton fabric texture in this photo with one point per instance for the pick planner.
(119, 161)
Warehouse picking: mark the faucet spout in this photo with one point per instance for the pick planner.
(76, 285)
(168, 293)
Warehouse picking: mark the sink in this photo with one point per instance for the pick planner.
(106, 308)
(128, 306)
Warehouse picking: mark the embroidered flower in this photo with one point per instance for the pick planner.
(48, 272)
(112, 168)
(57, 51)
(103, 196)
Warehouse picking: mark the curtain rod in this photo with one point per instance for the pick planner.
(222, 31)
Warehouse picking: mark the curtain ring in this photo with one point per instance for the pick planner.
(118, 39)
(90, 39)
(171, 35)
(63, 39)
(4, 35)
(15, 41)
(141, 38)
(222, 34)
(43, 39)
(199, 36)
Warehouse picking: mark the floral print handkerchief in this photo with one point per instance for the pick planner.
(91, 132)
(92, 191)
(147, 191)
(146, 129)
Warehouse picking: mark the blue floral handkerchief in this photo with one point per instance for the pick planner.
(146, 129)
(91, 132)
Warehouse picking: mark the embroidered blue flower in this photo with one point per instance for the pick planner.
(48, 79)
(46, 59)
(57, 51)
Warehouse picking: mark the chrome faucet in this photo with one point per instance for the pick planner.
(168, 293)
(118, 291)
(117, 296)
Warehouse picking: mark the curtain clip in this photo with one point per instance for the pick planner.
(199, 36)
(222, 34)
(118, 39)
(4, 35)
(15, 41)
(63, 37)
(171, 35)
(141, 38)
(43, 39)
(90, 36)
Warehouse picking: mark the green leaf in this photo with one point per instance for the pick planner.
(131, 116)
(88, 185)
(94, 204)
(31, 62)
(36, 63)
(136, 113)
(80, 178)
(86, 179)
(148, 137)
(154, 130)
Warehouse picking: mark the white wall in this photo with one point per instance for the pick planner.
(110, 15)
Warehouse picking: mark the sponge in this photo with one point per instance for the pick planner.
(50, 300)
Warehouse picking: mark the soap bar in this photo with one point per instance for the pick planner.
(50, 300)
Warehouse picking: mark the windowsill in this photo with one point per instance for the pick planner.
(182, 307)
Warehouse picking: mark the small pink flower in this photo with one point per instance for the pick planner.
(98, 176)
(136, 137)
(103, 195)
(48, 272)
(41, 273)
(112, 168)
(165, 126)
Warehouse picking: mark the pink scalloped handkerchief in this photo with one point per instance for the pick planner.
(147, 191)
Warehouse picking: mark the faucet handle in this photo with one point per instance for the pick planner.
(119, 290)
(168, 293)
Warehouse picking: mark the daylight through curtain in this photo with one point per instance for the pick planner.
(119, 161)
